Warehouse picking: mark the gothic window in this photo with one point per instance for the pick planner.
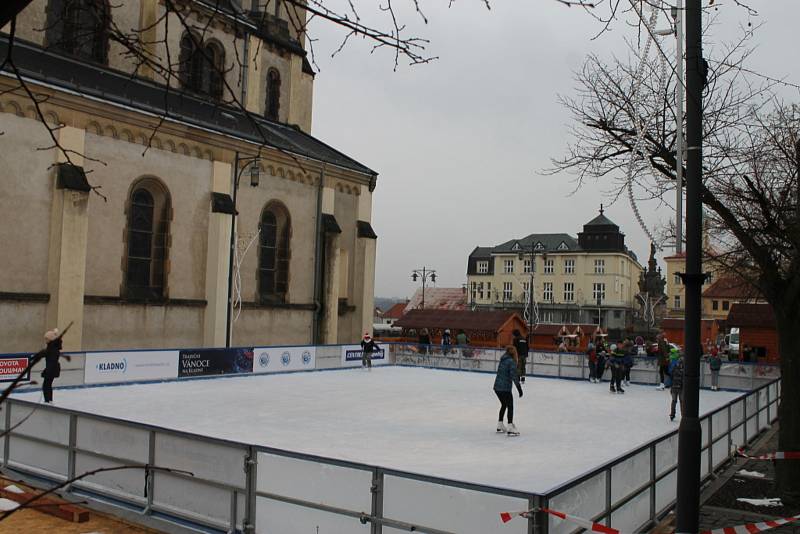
(202, 66)
(273, 94)
(79, 28)
(147, 240)
(273, 258)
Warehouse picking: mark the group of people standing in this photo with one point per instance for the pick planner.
(619, 359)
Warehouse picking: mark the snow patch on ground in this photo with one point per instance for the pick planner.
(762, 502)
(7, 505)
(752, 474)
(11, 488)
(434, 422)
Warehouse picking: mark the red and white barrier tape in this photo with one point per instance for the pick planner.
(750, 528)
(770, 456)
(591, 526)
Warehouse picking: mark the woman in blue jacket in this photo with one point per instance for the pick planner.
(506, 376)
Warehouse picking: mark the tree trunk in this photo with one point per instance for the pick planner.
(787, 472)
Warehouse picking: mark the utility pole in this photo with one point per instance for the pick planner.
(678, 18)
(689, 433)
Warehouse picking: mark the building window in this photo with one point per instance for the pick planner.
(273, 257)
(725, 305)
(202, 66)
(483, 267)
(273, 94)
(480, 289)
(569, 292)
(79, 28)
(547, 294)
(526, 289)
(507, 292)
(547, 316)
(598, 291)
(527, 266)
(677, 279)
(489, 291)
(617, 314)
(474, 291)
(569, 266)
(147, 240)
(677, 302)
(599, 266)
(508, 266)
(548, 266)
(715, 305)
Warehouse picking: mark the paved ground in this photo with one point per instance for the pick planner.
(721, 507)
(32, 521)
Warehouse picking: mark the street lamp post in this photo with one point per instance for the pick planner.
(425, 274)
(255, 173)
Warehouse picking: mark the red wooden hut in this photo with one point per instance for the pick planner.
(757, 329)
(484, 328)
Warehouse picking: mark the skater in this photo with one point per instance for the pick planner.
(676, 368)
(602, 356)
(446, 341)
(714, 365)
(617, 363)
(424, 341)
(591, 355)
(628, 363)
(521, 344)
(662, 353)
(368, 346)
(52, 367)
(506, 376)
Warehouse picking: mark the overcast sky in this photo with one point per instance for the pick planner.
(459, 144)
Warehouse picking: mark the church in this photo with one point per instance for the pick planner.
(161, 187)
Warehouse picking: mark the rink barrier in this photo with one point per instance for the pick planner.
(55, 444)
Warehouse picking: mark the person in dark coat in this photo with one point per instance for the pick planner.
(628, 362)
(424, 341)
(368, 346)
(714, 365)
(506, 376)
(676, 370)
(617, 364)
(521, 344)
(591, 355)
(447, 341)
(52, 367)
(663, 359)
(602, 356)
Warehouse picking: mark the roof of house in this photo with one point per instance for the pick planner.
(122, 89)
(396, 311)
(481, 252)
(732, 288)
(440, 298)
(540, 242)
(601, 220)
(491, 320)
(753, 315)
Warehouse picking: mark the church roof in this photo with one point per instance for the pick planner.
(121, 89)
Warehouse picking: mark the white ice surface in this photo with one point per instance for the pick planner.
(433, 422)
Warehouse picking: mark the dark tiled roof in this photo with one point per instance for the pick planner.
(732, 288)
(481, 252)
(601, 220)
(550, 243)
(120, 88)
(457, 319)
(753, 315)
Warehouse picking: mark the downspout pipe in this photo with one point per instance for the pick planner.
(318, 243)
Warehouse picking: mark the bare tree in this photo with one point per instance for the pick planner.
(751, 162)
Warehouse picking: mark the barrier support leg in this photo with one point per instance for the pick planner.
(251, 482)
(377, 501)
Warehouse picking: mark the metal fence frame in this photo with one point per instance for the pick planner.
(765, 399)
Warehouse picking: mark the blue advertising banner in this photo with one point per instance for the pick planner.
(352, 355)
(204, 362)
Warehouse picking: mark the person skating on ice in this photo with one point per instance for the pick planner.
(617, 363)
(52, 367)
(591, 355)
(506, 377)
(676, 369)
(368, 346)
(714, 365)
(521, 344)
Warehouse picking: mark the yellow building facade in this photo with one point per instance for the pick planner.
(147, 262)
(569, 275)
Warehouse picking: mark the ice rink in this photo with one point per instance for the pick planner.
(426, 421)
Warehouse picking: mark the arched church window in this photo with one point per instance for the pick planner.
(273, 94)
(147, 238)
(274, 252)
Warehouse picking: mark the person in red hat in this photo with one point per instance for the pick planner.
(368, 346)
